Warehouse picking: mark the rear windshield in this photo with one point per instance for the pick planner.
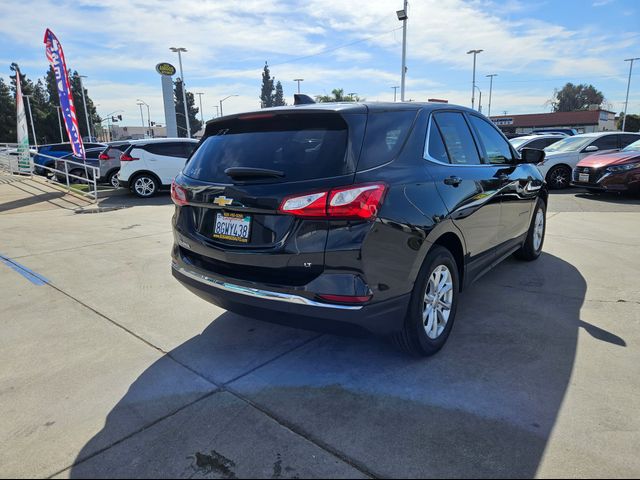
(301, 146)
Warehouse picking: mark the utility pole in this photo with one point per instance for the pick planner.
(201, 113)
(395, 92)
(402, 16)
(490, 91)
(33, 127)
(626, 102)
(84, 101)
(179, 50)
(298, 80)
(473, 88)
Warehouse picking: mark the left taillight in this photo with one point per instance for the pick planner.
(178, 195)
(356, 202)
(103, 156)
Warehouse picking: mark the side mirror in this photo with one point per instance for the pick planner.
(591, 148)
(531, 155)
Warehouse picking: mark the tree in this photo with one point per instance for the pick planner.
(8, 121)
(267, 96)
(337, 95)
(193, 111)
(278, 98)
(571, 98)
(632, 124)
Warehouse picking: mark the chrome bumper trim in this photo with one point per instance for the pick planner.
(257, 293)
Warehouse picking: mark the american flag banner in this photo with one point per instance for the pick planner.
(55, 55)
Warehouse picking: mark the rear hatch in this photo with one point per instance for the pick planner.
(243, 171)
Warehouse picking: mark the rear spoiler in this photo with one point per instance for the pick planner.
(302, 99)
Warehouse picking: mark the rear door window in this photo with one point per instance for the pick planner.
(301, 146)
(627, 139)
(457, 138)
(538, 144)
(385, 136)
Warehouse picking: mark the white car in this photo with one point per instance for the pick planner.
(539, 142)
(146, 166)
(563, 156)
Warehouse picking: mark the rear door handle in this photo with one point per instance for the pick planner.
(453, 181)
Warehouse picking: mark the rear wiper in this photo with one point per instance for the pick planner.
(250, 172)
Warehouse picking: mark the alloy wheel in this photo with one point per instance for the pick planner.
(538, 230)
(144, 186)
(438, 300)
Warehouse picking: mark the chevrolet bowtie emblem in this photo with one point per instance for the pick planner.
(223, 201)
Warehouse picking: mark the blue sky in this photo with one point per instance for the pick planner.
(533, 46)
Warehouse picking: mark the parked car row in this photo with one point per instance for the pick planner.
(565, 154)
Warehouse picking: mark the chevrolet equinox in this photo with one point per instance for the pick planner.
(354, 216)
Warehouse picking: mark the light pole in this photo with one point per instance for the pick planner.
(222, 114)
(33, 127)
(480, 101)
(139, 103)
(395, 92)
(473, 89)
(142, 102)
(201, 113)
(490, 91)
(626, 102)
(298, 80)
(179, 50)
(84, 101)
(217, 110)
(403, 17)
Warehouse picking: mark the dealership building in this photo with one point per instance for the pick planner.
(585, 121)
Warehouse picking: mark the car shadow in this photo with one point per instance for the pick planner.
(485, 406)
(609, 197)
(123, 199)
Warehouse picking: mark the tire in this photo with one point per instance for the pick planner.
(113, 180)
(413, 338)
(559, 177)
(532, 247)
(78, 172)
(145, 185)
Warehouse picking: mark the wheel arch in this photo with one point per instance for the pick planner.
(138, 173)
(453, 243)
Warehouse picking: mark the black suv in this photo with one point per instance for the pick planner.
(356, 216)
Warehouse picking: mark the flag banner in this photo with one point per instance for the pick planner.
(55, 55)
(24, 159)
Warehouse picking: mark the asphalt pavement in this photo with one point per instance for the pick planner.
(111, 368)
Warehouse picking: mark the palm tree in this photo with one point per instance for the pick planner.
(337, 95)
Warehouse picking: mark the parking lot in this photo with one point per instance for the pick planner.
(111, 368)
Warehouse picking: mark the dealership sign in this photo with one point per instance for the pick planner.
(166, 69)
(502, 121)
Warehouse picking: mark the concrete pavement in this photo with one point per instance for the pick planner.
(113, 369)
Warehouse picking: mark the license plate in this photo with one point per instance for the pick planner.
(232, 226)
(583, 177)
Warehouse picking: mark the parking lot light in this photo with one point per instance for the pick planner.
(490, 91)
(473, 89)
(626, 102)
(179, 51)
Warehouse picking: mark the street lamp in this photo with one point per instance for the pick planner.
(235, 95)
(480, 101)
(201, 113)
(33, 127)
(142, 102)
(179, 50)
(298, 80)
(490, 91)
(473, 90)
(84, 101)
(626, 102)
(403, 17)
(395, 92)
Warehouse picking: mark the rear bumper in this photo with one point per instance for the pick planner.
(124, 183)
(277, 305)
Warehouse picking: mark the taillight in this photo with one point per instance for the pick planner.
(178, 195)
(103, 156)
(356, 201)
(125, 157)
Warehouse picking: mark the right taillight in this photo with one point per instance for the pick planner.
(125, 157)
(178, 194)
(356, 202)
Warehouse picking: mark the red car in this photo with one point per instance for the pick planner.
(614, 172)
